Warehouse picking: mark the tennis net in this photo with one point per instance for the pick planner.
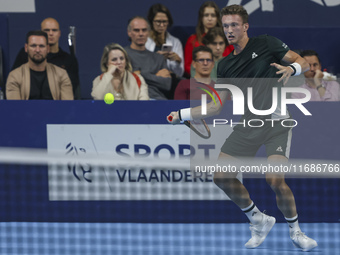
(58, 203)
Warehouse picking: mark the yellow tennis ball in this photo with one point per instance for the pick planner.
(109, 98)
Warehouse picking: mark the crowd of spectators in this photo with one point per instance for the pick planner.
(152, 67)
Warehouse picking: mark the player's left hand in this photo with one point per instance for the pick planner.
(286, 72)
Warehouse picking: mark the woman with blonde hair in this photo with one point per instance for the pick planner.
(117, 77)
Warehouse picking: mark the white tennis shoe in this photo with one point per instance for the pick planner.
(260, 231)
(301, 241)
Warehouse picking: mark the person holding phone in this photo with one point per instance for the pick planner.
(162, 42)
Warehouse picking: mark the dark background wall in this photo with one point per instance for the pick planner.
(301, 24)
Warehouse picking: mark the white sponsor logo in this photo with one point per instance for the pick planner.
(279, 149)
(83, 180)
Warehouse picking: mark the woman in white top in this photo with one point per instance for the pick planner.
(117, 77)
(160, 19)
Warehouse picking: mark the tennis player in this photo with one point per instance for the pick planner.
(258, 58)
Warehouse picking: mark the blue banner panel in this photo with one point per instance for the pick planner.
(24, 190)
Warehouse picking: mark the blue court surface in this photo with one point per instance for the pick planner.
(27, 238)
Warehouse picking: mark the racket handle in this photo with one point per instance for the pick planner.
(170, 118)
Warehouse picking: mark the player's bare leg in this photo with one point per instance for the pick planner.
(286, 203)
(284, 196)
(261, 224)
(228, 182)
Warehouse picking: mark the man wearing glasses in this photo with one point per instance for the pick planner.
(203, 62)
(56, 55)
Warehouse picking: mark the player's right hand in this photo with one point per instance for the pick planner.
(173, 118)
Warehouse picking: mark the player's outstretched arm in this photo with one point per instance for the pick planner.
(297, 65)
(196, 112)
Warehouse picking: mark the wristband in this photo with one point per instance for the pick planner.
(184, 114)
(296, 68)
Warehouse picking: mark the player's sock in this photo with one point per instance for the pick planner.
(253, 213)
(293, 224)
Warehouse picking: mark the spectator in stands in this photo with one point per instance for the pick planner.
(320, 89)
(56, 55)
(38, 79)
(160, 19)
(208, 17)
(117, 77)
(216, 41)
(150, 65)
(203, 63)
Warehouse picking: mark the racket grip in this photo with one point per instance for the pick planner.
(170, 118)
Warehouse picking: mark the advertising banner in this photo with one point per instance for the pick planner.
(131, 181)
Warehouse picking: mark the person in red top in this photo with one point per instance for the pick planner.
(208, 17)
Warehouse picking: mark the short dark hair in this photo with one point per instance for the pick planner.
(309, 53)
(37, 33)
(211, 35)
(201, 48)
(235, 9)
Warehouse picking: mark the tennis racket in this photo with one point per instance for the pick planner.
(200, 127)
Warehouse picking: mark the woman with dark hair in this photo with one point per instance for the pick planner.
(117, 77)
(160, 19)
(208, 17)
